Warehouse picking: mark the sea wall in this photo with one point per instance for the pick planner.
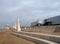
(42, 29)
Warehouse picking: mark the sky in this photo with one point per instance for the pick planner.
(27, 11)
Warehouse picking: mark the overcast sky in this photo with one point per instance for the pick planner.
(27, 10)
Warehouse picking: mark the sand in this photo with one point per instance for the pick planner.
(7, 38)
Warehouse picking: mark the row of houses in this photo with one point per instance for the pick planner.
(46, 22)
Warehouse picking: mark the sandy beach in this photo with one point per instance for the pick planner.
(7, 38)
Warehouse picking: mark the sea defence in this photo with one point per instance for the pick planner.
(42, 29)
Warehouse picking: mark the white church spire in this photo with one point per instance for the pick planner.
(18, 25)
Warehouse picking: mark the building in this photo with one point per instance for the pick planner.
(52, 21)
(7, 26)
(37, 23)
(14, 26)
(47, 22)
(17, 25)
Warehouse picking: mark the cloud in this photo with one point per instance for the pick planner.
(28, 10)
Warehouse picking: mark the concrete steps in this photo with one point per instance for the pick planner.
(34, 39)
(53, 38)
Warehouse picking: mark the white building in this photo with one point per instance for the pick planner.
(7, 26)
(15, 26)
(37, 23)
